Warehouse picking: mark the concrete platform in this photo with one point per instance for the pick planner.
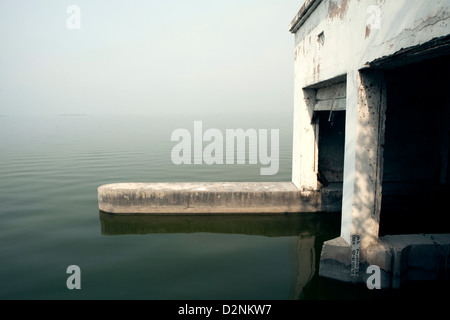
(215, 198)
(401, 258)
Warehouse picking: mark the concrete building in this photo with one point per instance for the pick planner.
(372, 114)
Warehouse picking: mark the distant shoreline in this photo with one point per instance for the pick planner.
(72, 115)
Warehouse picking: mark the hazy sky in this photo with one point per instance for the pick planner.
(145, 56)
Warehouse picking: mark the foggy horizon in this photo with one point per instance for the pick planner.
(146, 57)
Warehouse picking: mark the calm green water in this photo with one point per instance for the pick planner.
(50, 170)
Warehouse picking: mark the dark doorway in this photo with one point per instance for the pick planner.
(416, 182)
(331, 147)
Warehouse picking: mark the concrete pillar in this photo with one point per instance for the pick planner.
(305, 153)
(363, 167)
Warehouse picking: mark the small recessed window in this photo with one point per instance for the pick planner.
(321, 39)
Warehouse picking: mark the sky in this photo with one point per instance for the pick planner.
(146, 56)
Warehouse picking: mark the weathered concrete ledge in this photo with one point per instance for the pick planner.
(401, 259)
(215, 198)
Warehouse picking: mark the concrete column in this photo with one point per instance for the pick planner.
(305, 153)
(363, 167)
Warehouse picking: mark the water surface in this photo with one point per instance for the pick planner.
(50, 169)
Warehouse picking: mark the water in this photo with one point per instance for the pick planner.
(50, 169)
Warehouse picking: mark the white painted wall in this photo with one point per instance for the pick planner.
(348, 46)
(355, 32)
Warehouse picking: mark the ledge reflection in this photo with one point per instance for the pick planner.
(276, 225)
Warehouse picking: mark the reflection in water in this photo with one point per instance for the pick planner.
(275, 225)
(307, 232)
(303, 264)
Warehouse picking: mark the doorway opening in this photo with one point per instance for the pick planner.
(331, 146)
(416, 179)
